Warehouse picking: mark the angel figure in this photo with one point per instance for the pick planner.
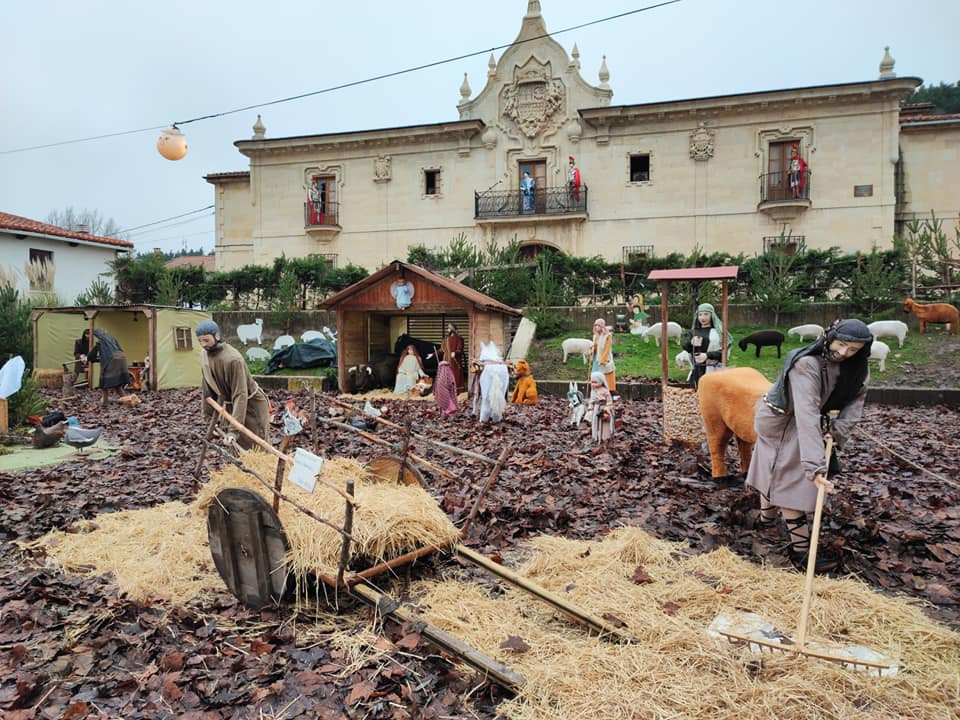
(402, 291)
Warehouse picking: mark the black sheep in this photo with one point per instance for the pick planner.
(762, 338)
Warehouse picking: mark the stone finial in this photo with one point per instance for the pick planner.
(574, 130)
(465, 90)
(259, 129)
(886, 65)
(533, 8)
(604, 74)
(491, 66)
(489, 138)
(575, 58)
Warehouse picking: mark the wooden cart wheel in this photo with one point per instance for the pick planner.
(248, 546)
(387, 467)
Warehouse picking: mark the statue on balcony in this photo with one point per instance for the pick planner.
(316, 198)
(573, 180)
(527, 188)
(797, 172)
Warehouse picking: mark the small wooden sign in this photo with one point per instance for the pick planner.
(863, 190)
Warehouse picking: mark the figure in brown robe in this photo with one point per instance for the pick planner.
(227, 380)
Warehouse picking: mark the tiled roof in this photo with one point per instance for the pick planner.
(15, 223)
(927, 117)
(207, 262)
(484, 302)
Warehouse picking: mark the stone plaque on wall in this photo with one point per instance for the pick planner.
(863, 190)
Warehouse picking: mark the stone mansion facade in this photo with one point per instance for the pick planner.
(542, 155)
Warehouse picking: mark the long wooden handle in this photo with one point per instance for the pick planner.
(812, 556)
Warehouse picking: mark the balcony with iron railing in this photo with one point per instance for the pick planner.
(509, 205)
(321, 217)
(784, 195)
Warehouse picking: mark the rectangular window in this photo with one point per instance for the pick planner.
(40, 270)
(330, 260)
(639, 168)
(182, 338)
(431, 182)
(637, 252)
(787, 244)
(322, 200)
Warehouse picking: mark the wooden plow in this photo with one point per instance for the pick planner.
(248, 543)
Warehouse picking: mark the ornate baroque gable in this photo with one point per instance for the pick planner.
(535, 100)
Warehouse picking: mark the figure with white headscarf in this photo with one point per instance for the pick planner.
(600, 405)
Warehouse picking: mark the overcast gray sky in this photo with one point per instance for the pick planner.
(73, 70)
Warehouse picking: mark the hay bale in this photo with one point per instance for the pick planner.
(162, 553)
(49, 377)
(675, 669)
(681, 417)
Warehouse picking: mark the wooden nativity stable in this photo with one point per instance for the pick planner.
(369, 319)
(165, 335)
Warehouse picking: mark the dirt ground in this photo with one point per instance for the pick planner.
(72, 647)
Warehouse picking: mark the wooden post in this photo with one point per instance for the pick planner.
(403, 453)
(314, 436)
(501, 461)
(664, 371)
(4, 417)
(278, 478)
(723, 320)
(347, 529)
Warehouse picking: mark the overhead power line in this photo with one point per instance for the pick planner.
(354, 83)
(157, 222)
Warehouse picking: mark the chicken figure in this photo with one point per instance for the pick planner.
(48, 437)
(370, 411)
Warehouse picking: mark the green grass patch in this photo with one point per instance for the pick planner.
(637, 359)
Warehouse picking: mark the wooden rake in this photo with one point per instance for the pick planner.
(744, 628)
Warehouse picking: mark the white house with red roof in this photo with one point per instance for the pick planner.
(47, 259)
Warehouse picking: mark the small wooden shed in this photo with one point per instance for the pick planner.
(165, 335)
(681, 409)
(369, 319)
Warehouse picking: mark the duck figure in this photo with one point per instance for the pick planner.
(80, 438)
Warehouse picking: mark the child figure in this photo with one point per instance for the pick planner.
(601, 405)
(525, 391)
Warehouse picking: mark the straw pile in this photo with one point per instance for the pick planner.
(48, 377)
(675, 670)
(161, 553)
(681, 416)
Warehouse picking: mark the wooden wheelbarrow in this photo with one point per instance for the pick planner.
(249, 546)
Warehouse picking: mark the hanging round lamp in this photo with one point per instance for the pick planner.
(172, 144)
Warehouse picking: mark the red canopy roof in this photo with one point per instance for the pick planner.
(724, 272)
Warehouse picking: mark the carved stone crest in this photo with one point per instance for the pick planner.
(533, 98)
(382, 168)
(701, 142)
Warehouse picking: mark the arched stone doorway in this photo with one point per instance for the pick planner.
(532, 248)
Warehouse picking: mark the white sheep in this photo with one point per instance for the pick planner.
(283, 341)
(673, 331)
(577, 346)
(253, 331)
(257, 353)
(813, 330)
(683, 358)
(879, 351)
(889, 328)
(312, 335)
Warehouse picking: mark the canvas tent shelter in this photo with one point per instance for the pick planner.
(369, 320)
(164, 334)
